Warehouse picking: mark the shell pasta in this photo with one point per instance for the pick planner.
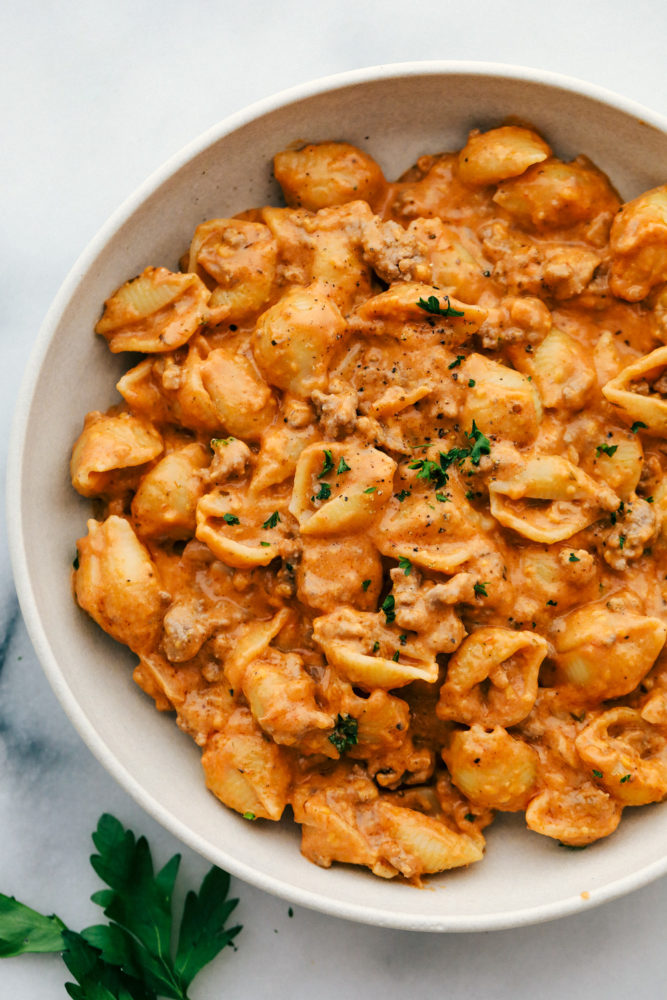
(382, 510)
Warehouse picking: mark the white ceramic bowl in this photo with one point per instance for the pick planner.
(397, 113)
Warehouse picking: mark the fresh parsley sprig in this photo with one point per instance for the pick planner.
(131, 957)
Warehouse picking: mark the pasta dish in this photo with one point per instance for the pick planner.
(382, 510)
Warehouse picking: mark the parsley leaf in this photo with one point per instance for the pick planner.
(431, 471)
(471, 383)
(396, 656)
(405, 565)
(607, 449)
(345, 731)
(480, 589)
(432, 305)
(342, 467)
(442, 498)
(23, 930)
(230, 518)
(272, 521)
(482, 445)
(388, 607)
(626, 777)
(327, 465)
(596, 773)
(573, 558)
(403, 495)
(324, 493)
(131, 957)
(365, 584)
(638, 424)
(371, 489)
(457, 361)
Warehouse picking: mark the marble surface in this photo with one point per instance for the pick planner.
(95, 96)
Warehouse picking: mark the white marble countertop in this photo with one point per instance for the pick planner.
(95, 96)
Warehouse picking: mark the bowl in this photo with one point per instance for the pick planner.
(396, 113)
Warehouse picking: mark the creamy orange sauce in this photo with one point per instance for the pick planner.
(382, 510)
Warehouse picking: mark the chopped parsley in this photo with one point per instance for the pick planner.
(621, 541)
(345, 733)
(267, 545)
(272, 521)
(324, 493)
(403, 495)
(405, 565)
(371, 489)
(471, 383)
(596, 773)
(249, 815)
(573, 558)
(396, 656)
(626, 777)
(552, 603)
(649, 499)
(442, 498)
(638, 424)
(365, 585)
(376, 646)
(403, 639)
(470, 817)
(432, 305)
(430, 471)
(480, 589)
(388, 607)
(327, 465)
(342, 467)
(607, 449)
(482, 445)
(457, 361)
(230, 518)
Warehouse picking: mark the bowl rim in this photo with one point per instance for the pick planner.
(27, 599)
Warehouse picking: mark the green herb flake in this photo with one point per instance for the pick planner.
(249, 815)
(230, 518)
(327, 465)
(621, 541)
(405, 565)
(324, 492)
(345, 734)
(480, 589)
(442, 498)
(371, 489)
(403, 495)
(626, 777)
(606, 449)
(376, 646)
(272, 521)
(265, 545)
(388, 607)
(597, 774)
(649, 499)
(482, 445)
(403, 639)
(396, 656)
(470, 817)
(342, 467)
(573, 847)
(457, 361)
(471, 383)
(637, 426)
(432, 305)
(553, 603)
(365, 585)
(573, 558)
(426, 469)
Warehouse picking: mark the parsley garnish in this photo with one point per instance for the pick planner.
(266, 545)
(480, 589)
(131, 957)
(345, 733)
(388, 607)
(249, 815)
(638, 424)
(365, 585)
(471, 383)
(371, 489)
(482, 445)
(457, 361)
(470, 817)
(342, 467)
(649, 499)
(272, 521)
(327, 465)
(432, 305)
(324, 493)
(621, 541)
(596, 773)
(552, 603)
(405, 565)
(430, 470)
(626, 777)
(230, 518)
(442, 498)
(607, 449)
(403, 495)
(376, 646)
(573, 558)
